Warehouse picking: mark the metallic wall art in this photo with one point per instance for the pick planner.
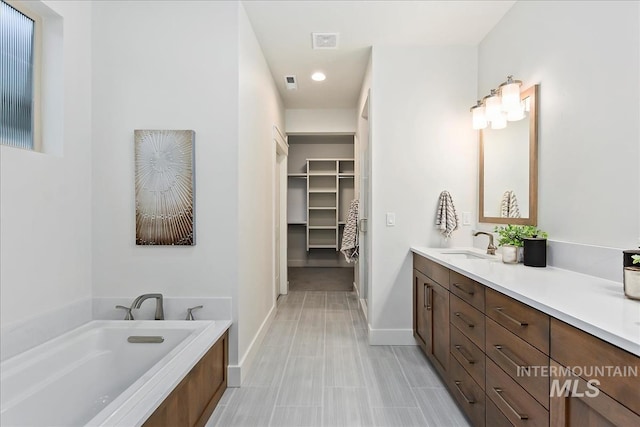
(165, 187)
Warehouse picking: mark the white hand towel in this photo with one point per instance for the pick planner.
(446, 217)
(350, 234)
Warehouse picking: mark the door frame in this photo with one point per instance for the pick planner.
(364, 234)
(280, 153)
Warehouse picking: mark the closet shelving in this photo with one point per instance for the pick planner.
(329, 191)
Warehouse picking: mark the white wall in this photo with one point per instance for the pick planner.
(339, 120)
(422, 143)
(260, 107)
(589, 129)
(166, 65)
(45, 200)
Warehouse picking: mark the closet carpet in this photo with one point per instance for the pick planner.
(325, 279)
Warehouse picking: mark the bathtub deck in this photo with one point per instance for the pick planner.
(315, 368)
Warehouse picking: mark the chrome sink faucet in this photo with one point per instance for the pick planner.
(491, 249)
(159, 308)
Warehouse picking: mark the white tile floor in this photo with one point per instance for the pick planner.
(315, 368)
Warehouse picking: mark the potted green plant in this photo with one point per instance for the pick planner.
(511, 238)
(632, 278)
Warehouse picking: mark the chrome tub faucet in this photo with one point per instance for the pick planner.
(159, 306)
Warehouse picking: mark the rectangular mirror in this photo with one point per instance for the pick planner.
(508, 176)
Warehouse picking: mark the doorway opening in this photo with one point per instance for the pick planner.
(320, 189)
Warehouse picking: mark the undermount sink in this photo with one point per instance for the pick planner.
(466, 254)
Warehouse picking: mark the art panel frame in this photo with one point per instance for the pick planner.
(165, 187)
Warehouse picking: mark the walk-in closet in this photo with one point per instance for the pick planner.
(320, 188)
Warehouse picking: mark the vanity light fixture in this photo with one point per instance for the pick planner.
(501, 105)
(479, 118)
(318, 76)
(516, 113)
(493, 106)
(510, 94)
(499, 123)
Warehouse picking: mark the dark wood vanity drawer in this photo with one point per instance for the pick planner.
(468, 320)
(573, 347)
(467, 289)
(512, 400)
(469, 395)
(514, 356)
(495, 418)
(468, 355)
(432, 270)
(528, 323)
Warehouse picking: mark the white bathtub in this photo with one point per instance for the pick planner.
(94, 376)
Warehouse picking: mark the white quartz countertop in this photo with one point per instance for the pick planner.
(595, 305)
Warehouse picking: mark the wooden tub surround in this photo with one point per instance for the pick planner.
(192, 402)
(481, 343)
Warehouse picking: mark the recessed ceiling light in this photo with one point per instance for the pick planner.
(318, 76)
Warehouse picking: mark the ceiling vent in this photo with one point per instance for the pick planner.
(290, 82)
(324, 40)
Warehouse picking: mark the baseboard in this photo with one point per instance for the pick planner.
(318, 263)
(391, 337)
(237, 373)
(364, 308)
(234, 377)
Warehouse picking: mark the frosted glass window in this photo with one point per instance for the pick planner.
(16, 77)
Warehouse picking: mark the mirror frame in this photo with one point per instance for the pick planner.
(532, 93)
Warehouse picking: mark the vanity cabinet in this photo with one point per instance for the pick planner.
(503, 357)
(614, 397)
(431, 319)
(505, 361)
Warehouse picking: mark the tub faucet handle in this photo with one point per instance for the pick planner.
(190, 312)
(129, 315)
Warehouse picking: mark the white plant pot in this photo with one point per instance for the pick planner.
(632, 282)
(510, 254)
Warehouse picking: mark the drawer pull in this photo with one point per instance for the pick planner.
(469, 401)
(470, 293)
(506, 356)
(465, 320)
(498, 391)
(424, 289)
(428, 295)
(469, 360)
(516, 321)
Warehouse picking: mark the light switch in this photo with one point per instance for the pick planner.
(466, 218)
(391, 219)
